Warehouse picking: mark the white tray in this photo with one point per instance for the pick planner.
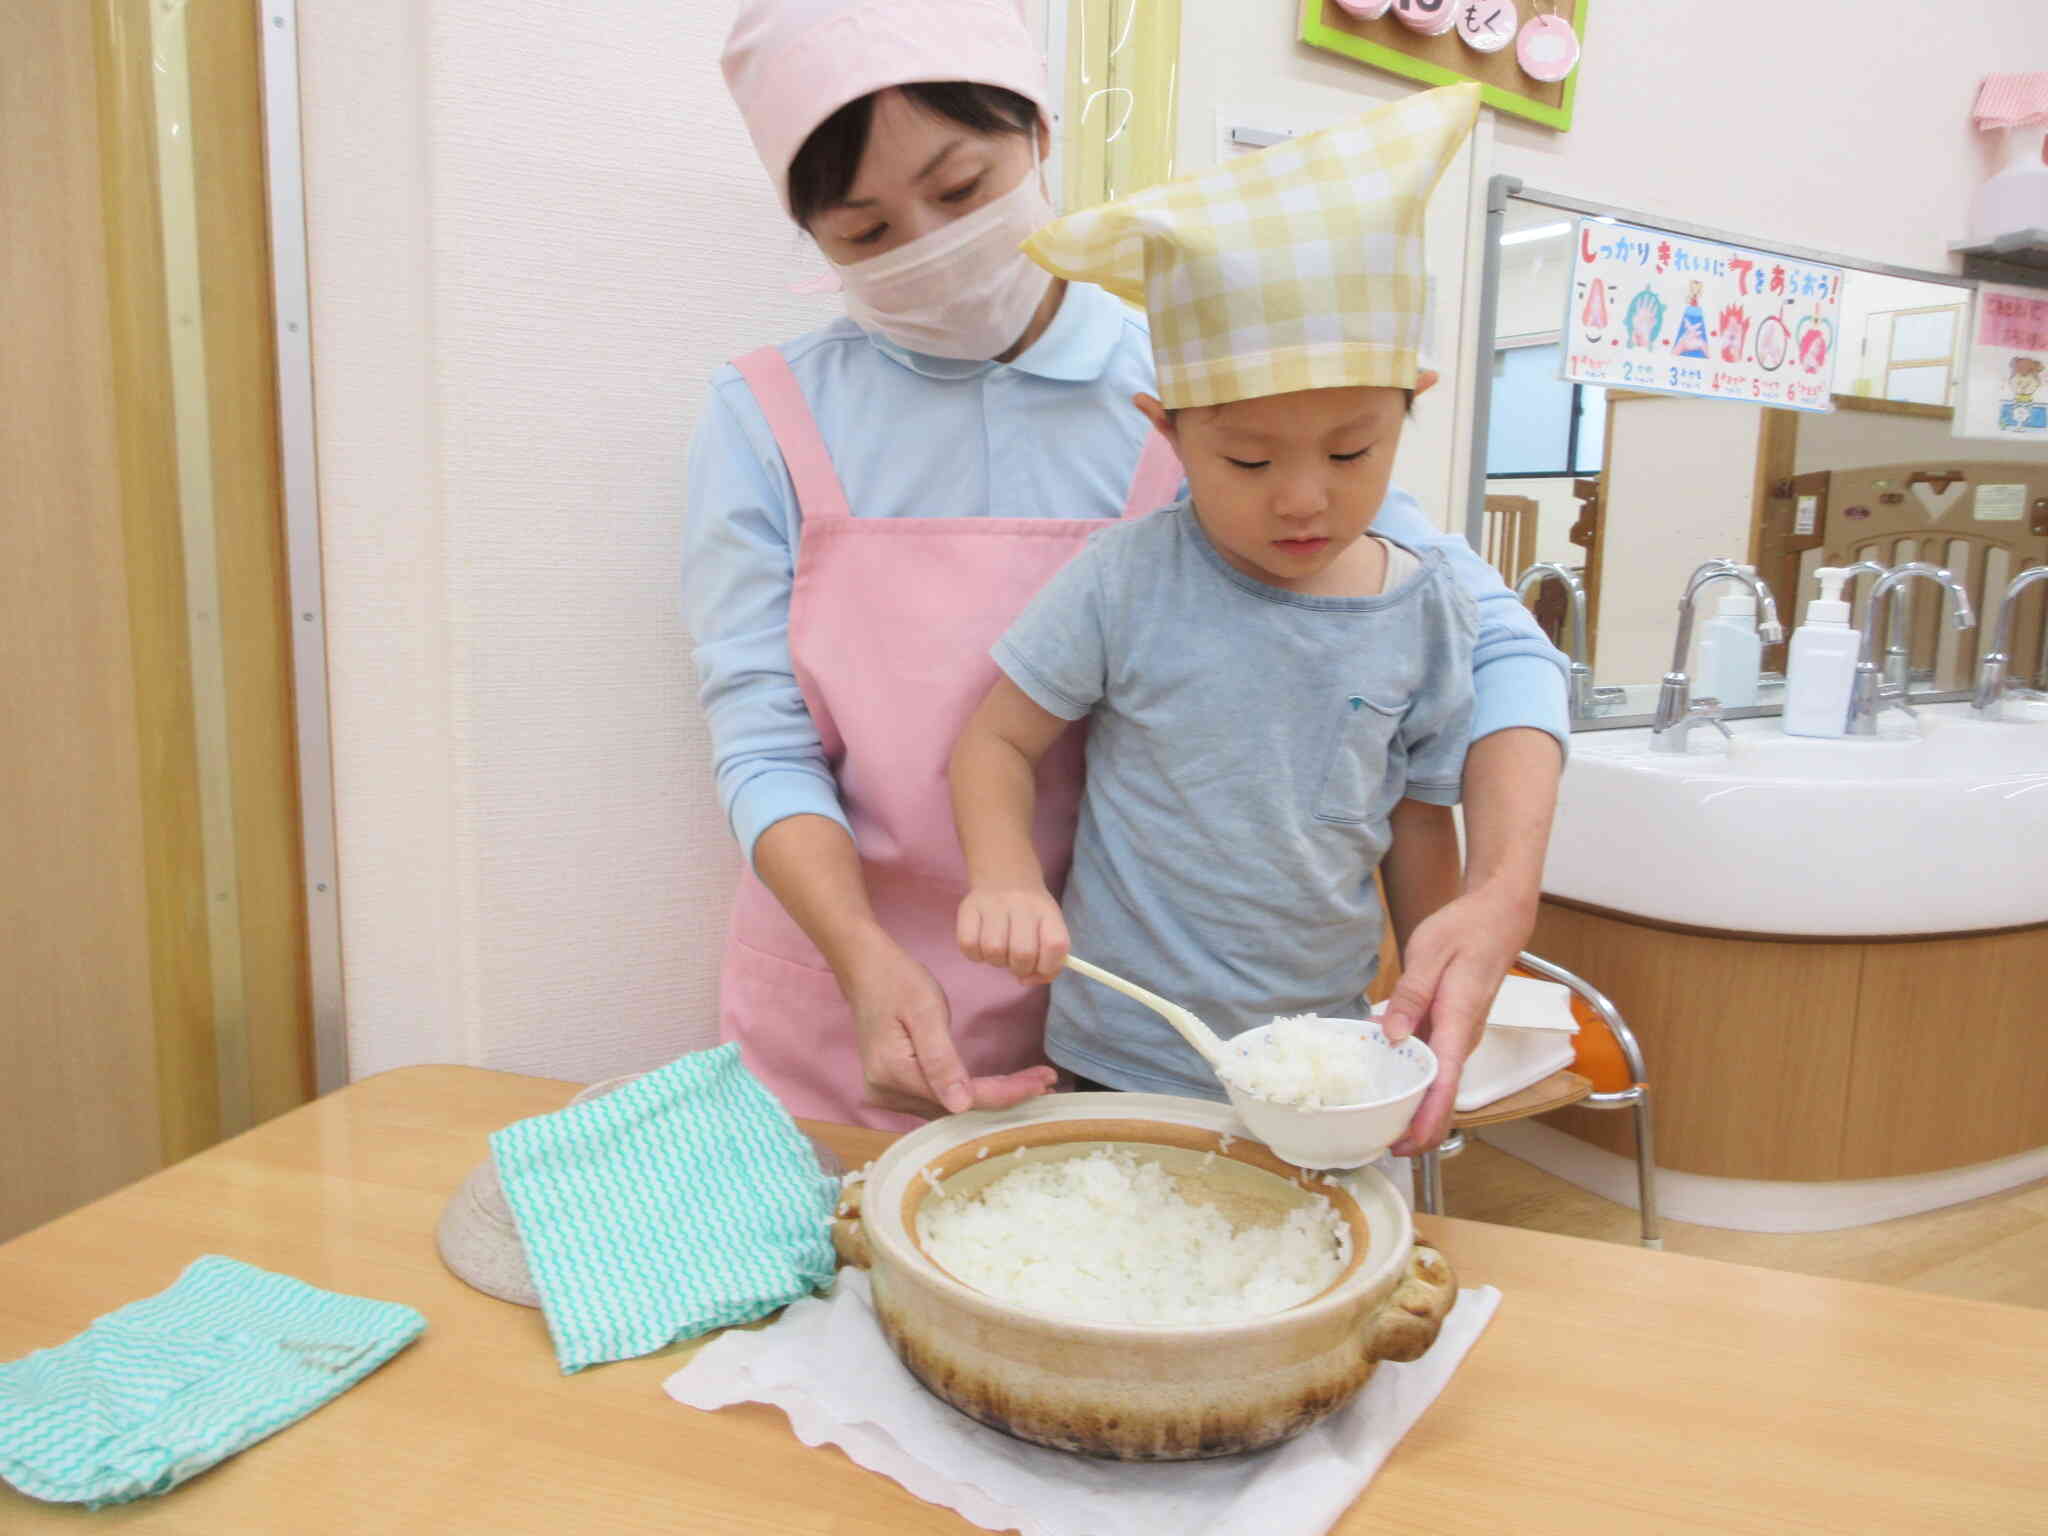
(1509, 1060)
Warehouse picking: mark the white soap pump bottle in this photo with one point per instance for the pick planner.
(1731, 651)
(1820, 677)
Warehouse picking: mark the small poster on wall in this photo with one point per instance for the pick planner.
(1651, 310)
(2002, 393)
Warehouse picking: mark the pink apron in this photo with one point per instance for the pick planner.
(890, 624)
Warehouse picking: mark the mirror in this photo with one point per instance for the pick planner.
(1631, 489)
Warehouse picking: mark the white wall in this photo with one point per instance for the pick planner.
(1842, 127)
(1679, 484)
(1854, 439)
(536, 228)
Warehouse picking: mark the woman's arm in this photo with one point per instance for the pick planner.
(1420, 872)
(1453, 963)
(740, 533)
(1009, 917)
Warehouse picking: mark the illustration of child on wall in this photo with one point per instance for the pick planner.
(1645, 320)
(2020, 413)
(1691, 340)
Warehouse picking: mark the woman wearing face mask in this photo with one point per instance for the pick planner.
(869, 507)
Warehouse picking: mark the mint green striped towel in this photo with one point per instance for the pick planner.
(159, 1390)
(685, 1201)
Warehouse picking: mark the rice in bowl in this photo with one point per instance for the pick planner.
(1310, 1062)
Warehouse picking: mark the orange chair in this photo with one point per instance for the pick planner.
(1607, 1073)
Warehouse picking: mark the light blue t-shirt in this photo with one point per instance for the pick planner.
(1050, 434)
(1246, 747)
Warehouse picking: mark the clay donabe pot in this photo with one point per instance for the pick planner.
(1140, 1391)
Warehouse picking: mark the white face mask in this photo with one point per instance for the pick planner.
(965, 291)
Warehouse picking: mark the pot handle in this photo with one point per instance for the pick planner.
(1407, 1325)
(849, 1236)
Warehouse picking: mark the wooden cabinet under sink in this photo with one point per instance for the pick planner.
(1819, 1059)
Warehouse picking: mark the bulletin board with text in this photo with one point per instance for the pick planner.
(1390, 44)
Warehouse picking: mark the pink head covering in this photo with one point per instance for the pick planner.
(790, 64)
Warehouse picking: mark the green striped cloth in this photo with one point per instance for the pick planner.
(685, 1201)
(159, 1390)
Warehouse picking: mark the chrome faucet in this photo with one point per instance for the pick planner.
(1897, 648)
(1581, 685)
(1698, 713)
(1677, 713)
(1870, 695)
(1991, 681)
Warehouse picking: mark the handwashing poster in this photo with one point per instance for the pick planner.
(2002, 393)
(1655, 311)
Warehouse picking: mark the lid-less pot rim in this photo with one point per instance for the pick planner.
(889, 1236)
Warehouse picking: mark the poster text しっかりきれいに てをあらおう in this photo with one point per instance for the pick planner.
(1652, 310)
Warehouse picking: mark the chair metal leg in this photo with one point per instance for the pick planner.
(1429, 1183)
(1646, 1170)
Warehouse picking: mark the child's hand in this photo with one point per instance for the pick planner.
(1020, 929)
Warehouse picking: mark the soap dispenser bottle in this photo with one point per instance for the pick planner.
(1821, 674)
(1731, 651)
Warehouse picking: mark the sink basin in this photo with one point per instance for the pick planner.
(2016, 711)
(1935, 826)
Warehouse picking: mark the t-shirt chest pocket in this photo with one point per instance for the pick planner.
(1360, 783)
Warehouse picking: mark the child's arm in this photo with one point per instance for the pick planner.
(1421, 871)
(1008, 917)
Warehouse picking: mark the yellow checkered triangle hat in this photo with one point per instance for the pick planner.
(1299, 267)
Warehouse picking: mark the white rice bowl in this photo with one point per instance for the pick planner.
(1109, 1237)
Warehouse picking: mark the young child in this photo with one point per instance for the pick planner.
(1278, 701)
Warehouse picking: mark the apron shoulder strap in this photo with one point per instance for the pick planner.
(781, 398)
(1158, 478)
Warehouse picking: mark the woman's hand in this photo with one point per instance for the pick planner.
(1019, 927)
(907, 1057)
(1453, 967)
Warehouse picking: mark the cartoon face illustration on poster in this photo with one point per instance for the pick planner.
(1773, 341)
(1733, 333)
(2019, 413)
(1816, 339)
(1645, 320)
(1691, 340)
(1593, 317)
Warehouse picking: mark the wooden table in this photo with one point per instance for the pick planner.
(1616, 1391)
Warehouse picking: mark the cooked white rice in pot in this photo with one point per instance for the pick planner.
(1108, 1237)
